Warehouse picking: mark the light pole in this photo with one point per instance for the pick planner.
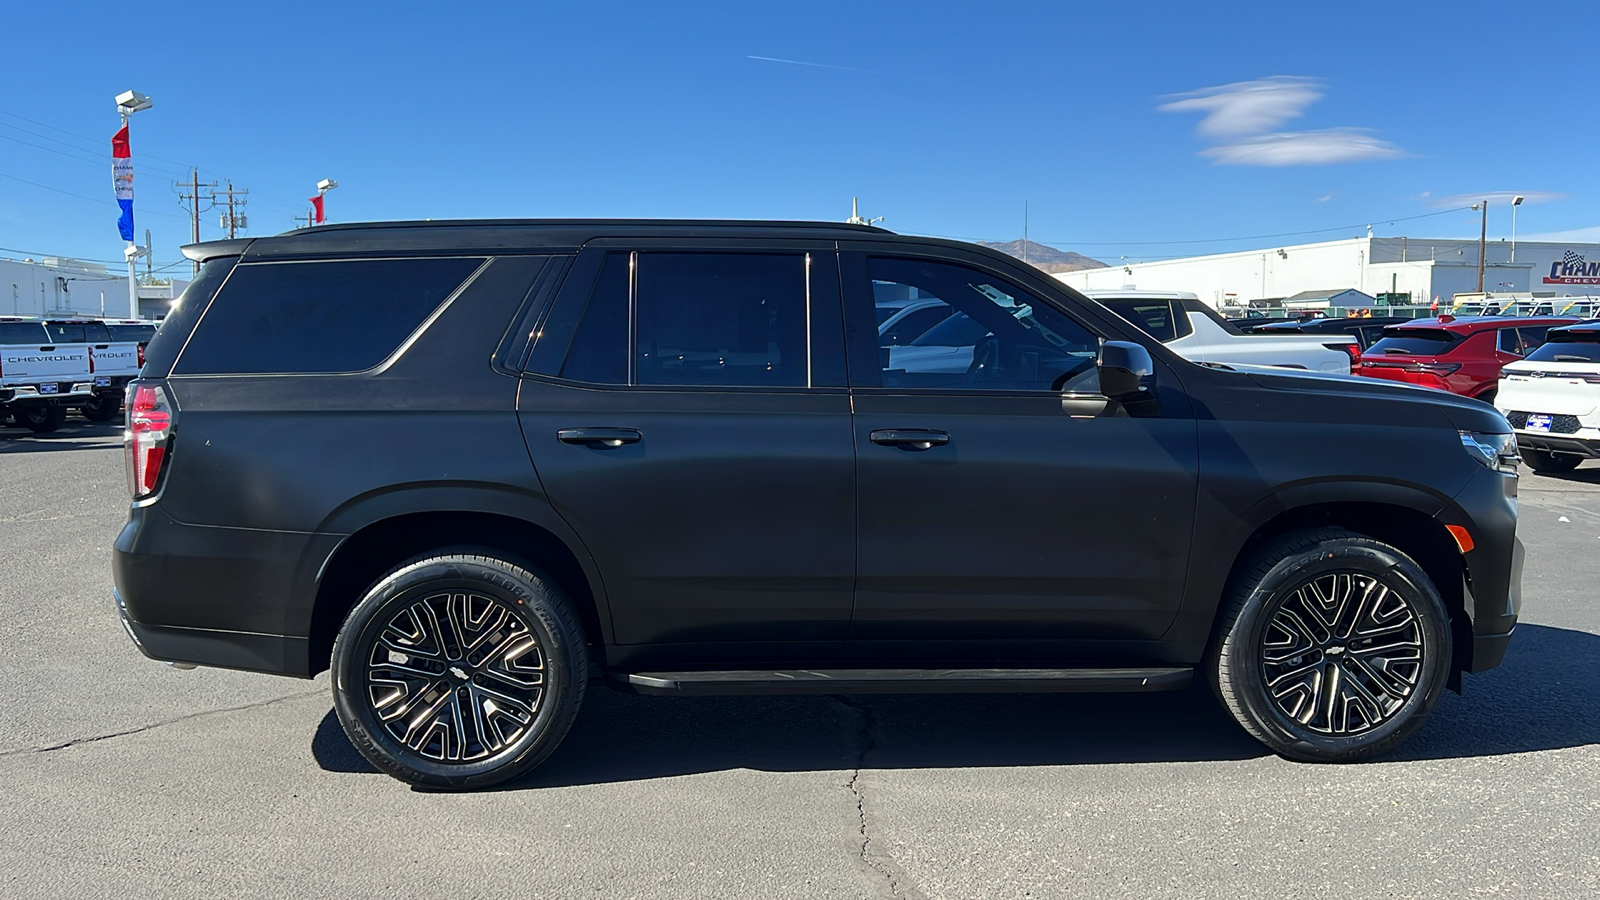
(1483, 234)
(128, 103)
(1515, 202)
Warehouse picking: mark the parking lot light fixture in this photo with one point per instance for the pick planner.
(1515, 202)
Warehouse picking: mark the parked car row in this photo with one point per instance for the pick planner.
(50, 366)
(1551, 396)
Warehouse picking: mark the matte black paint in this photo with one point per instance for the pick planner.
(759, 528)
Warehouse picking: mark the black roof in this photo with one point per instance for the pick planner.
(505, 234)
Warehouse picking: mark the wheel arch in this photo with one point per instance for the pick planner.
(1410, 527)
(378, 546)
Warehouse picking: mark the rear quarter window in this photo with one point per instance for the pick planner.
(318, 317)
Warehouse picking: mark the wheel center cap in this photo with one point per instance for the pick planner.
(458, 672)
(1334, 651)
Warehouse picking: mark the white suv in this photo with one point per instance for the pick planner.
(1552, 398)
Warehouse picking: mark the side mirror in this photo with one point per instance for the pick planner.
(1127, 374)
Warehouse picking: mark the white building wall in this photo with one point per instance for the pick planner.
(59, 287)
(1425, 268)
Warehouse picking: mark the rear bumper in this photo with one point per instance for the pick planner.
(1492, 583)
(1589, 448)
(230, 597)
(66, 392)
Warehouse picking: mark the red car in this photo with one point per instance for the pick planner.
(1460, 355)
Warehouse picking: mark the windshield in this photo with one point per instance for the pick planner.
(1568, 346)
(23, 333)
(1415, 342)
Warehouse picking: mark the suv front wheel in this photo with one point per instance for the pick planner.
(459, 670)
(1333, 647)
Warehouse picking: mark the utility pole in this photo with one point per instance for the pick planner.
(190, 193)
(1024, 231)
(1483, 235)
(232, 220)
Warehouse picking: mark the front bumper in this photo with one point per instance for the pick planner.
(1585, 444)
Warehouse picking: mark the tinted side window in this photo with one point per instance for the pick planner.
(914, 324)
(1154, 316)
(23, 333)
(721, 319)
(999, 336)
(305, 317)
(1533, 337)
(599, 351)
(1509, 342)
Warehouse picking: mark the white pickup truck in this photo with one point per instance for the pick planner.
(1198, 333)
(116, 353)
(40, 379)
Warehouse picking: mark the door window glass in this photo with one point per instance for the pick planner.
(997, 337)
(1509, 342)
(599, 351)
(721, 319)
(1532, 337)
(913, 323)
(1154, 316)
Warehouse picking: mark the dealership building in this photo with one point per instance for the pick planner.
(1401, 271)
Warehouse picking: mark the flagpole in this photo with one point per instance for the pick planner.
(128, 103)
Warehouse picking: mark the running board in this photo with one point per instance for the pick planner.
(906, 681)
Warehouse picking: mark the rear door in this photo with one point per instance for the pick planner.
(686, 411)
(1007, 509)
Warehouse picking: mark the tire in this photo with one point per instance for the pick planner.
(1336, 698)
(42, 419)
(1488, 396)
(1546, 462)
(499, 702)
(101, 408)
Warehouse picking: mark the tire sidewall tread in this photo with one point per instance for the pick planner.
(563, 645)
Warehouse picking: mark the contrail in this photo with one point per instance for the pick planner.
(796, 62)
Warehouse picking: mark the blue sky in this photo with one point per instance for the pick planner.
(1138, 129)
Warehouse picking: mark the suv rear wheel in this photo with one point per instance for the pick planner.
(1333, 647)
(459, 670)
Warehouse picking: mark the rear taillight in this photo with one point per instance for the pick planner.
(91, 360)
(148, 436)
(1351, 350)
(1434, 368)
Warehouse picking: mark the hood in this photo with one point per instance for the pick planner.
(1467, 414)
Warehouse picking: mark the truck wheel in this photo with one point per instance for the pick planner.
(1332, 647)
(101, 408)
(459, 670)
(1545, 461)
(42, 419)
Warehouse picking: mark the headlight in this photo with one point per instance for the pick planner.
(1497, 451)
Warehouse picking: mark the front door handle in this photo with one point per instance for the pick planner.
(599, 437)
(910, 438)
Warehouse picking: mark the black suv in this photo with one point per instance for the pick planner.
(472, 467)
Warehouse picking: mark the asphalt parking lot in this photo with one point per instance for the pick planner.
(124, 777)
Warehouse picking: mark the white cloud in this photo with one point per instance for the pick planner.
(1324, 198)
(1575, 236)
(1242, 116)
(1304, 148)
(1496, 198)
(1248, 107)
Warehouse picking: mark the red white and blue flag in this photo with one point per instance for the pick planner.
(122, 180)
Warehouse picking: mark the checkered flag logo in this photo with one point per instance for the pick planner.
(1572, 259)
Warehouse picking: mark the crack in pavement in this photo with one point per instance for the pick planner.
(154, 725)
(876, 861)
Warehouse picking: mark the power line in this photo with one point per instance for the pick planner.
(100, 200)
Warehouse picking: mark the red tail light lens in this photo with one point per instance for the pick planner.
(1351, 349)
(147, 438)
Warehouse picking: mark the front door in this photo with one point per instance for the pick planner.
(1007, 509)
(695, 433)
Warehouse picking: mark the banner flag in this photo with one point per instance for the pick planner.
(122, 181)
(316, 204)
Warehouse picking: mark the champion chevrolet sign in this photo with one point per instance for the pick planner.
(1572, 269)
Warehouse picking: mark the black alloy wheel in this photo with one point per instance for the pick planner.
(459, 670)
(1333, 647)
(42, 419)
(101, 408)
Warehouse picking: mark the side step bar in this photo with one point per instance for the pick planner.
(905, 681)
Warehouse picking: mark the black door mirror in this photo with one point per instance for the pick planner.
(1127, 374)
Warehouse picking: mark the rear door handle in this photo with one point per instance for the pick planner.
(599, 437)
(911, 438)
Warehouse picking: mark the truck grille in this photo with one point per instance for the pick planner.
(1558, 424)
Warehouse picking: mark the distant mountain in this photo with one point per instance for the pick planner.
(1047, 258)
